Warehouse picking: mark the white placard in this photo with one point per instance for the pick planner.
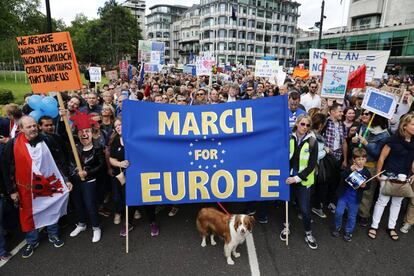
(374, 60)
(380, 102)
(155, 57)
(204, 65)
(95, 74)
(334, 81)
(266, 68)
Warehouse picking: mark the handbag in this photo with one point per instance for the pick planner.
(121, 177)
(397, 188)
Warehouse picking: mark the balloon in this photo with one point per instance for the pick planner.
(36, 114)
(35, 101)
(48, 105)
(51, 111)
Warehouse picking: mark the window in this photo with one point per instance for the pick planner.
(252, 11)
(251, 23)
(259, 37)
(275, 39)
(250, 48)
(259, 25)
(242, 22)
(222, 33)
(232, 33)
(276, 27)
(232, 46)
(242, 35)
(250, 36)
(260, 13)
(268, 26)
(222, 7)
(222, 20)
(259, 49)
(242, 47)
(222, 46)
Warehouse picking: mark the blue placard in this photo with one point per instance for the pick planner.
(226, 152)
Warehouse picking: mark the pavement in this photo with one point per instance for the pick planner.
(177, 250)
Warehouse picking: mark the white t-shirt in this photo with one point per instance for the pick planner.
(308, 101)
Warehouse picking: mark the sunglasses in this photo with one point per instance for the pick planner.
(303, 124)
(366, 114)
(313, 87)
(200, 94)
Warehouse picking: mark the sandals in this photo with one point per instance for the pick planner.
(372, 233)
(393, 234)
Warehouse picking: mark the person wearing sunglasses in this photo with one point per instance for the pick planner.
(311, 99)
(303, 162)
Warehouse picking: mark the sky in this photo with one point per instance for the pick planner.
(310, 10)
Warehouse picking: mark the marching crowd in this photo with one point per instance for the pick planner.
(333, 145)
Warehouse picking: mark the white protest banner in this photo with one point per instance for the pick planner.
(374, 60)
(155, 57)
(152, 67)
(95, 74)
(335, 80)
(204, 65)
(281, 77)
(266, 68)
(380, 102)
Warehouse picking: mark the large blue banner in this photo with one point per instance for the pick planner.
(224, 152)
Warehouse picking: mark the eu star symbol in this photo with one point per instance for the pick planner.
(223, 151)
(191, 144)
(219, 143)
(221, 161)
(190, 153)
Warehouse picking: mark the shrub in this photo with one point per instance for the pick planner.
(6, 96)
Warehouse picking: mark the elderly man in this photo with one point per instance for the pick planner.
(35, 177)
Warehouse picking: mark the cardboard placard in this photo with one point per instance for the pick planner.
(95, 74)
(335, 81)
(111, 75)
(50, 62)
(380, 102)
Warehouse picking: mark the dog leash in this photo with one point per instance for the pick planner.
(222, 207)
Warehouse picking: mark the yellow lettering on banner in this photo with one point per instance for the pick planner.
(215, 184)
(172, 122)
(248, 120)
(243, 183)
(208, 120)
(180, 186)
(223, 118)
(147, 187)
(197, 181)
(190, 124)
(266, 183)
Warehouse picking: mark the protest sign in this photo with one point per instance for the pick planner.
(151, 52)
(335, 80)
(95, 74)
(152, 67)
(111, 75)
(186, 154)
(49, 61)
(374, 60)
(380, 102)
(189, 69)
(204, 65)
(123, 69)
(266, 68)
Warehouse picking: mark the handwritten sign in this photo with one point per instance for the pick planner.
(49, 61)
(374, 60)
(266, 68)
(111, 75)
(335, 80)
(204, 65)
(95, 74)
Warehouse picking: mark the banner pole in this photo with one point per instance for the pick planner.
(367, 129)
(287, 222)
(70, 136)
(126, 229)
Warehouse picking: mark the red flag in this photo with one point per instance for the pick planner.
(324, 62)
(356, 79)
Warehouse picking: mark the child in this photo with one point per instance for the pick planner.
(349, 197)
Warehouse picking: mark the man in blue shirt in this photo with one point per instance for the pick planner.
(294, 110)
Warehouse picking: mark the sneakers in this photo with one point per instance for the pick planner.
(28, 250)
(7, 256)
(332, 207)
(117, 218)
(363, 222)
(301, 217)
(348, 237)
(336, 233)
(123, 231)
(137, 214)
(173, 212)
(319, 212)
(263, 220)
(79, 228)
(155, 231)
(250, 212)
(103, 212)
(56, 241)
(284, 233)
(405, 228)
(311, 241)
(96, 234)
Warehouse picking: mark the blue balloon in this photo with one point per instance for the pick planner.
(35, 101)
(48, 105)
(36, 114)
(52, 111)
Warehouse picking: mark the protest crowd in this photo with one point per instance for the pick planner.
(332, 143)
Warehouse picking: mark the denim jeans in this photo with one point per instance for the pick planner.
(2, 240)
(33, 236)
(119, 202)
(303, 196)
(346, 201)
(85, 200)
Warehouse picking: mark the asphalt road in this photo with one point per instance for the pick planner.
(177, 251)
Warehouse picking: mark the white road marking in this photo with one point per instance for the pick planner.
(14, 252)
(251, 250)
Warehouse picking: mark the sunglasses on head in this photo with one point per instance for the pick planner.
(304, 124)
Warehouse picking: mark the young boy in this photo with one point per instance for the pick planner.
(350, 196)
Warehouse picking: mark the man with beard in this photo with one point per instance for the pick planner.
(85, 181)
(35, 177)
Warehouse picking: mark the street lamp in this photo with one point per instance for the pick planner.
(320, 24)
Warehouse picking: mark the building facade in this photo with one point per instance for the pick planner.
(137, 8)
(159, 25)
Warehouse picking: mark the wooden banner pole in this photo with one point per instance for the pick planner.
(70, 136)
(127, 230)
(287, 222)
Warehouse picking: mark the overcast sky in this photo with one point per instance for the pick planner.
(309, 10)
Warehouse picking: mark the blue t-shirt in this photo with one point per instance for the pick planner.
(293, 116)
